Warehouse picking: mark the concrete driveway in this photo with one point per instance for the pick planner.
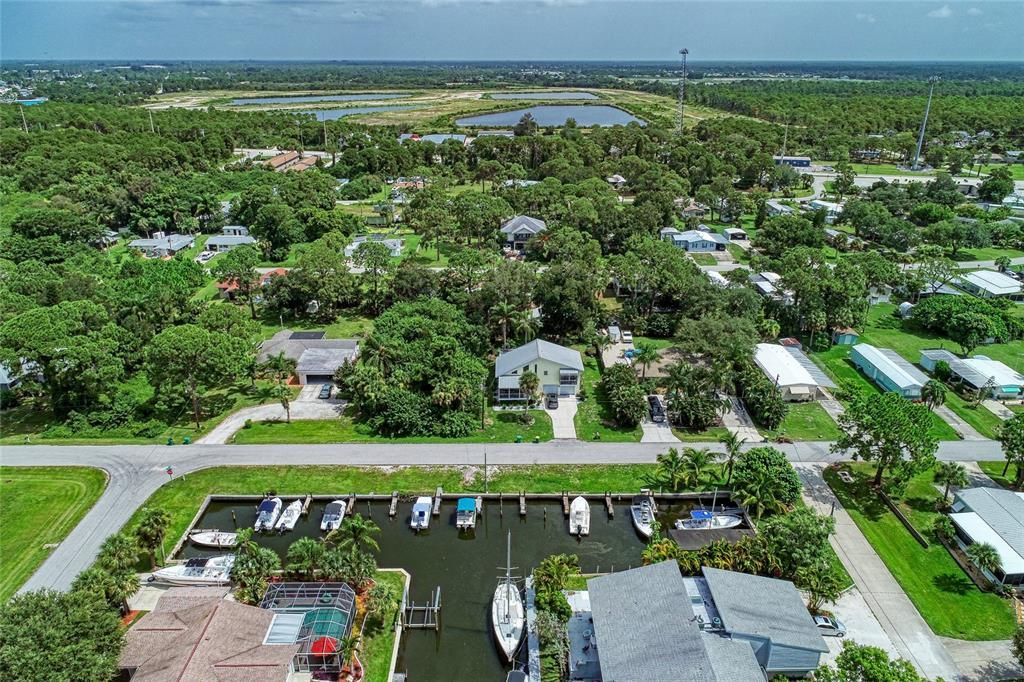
(657, 432)
(305, 406)
(861, 626)
(563, 417)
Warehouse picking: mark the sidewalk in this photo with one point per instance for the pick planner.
(908, 632)
(966, 431)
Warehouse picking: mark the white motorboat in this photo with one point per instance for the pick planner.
(701, 519)
(642, 510)
(508, 613)
(579, 517)
(198, 571)
(289, 517)
(466, 511)
(421, 513)
(334, 514)
(267, 513)
(214, 538)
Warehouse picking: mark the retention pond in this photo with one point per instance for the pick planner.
(547, 115)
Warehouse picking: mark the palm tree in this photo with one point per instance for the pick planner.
(732, 443)
(696, 463)
(118, 553)
(305, 556)
(671, 471)
(950, 474)
(553, 573)
(279, 367)
(985, 556)
(933, 393)
(377, 353)
(359, 567)
(284, 395)
(96, 581)
(758, 491)
(661, 550)
(348, 647)
(646, 354)
(381, 599)
(504, 314)
(356, 532)
(525, 325)
(151, 531)
(529, 383)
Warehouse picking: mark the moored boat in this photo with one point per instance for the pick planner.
(508, 613)
(267, 513)
(213, 538)
(289, 517)
(421, 514)
(334, 514)
(465, 513)
(701, 519)
(642, 510)
(198, 571)
(579, 517)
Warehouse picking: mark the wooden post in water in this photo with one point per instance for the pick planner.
(565, 504)
(522, 503)
(608, 505)
(393, 509)
(437, 501)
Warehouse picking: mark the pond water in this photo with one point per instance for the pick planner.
(300, 99)
(544, 95)
(335, 114)
(556, 115)
(464, 566)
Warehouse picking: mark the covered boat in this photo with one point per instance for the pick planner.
(334, 514)
(642, 510)
(213, 538)
(198, 571)
(701, 519)
(579, 517)
(421, 513)
(289, 517)
(508, 613)
(465, 513)
(267, 513)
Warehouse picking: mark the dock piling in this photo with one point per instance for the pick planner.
(565, 504)
(522, 503)
(437, 501)
(608, 505)
(306, 504)
(393, 509)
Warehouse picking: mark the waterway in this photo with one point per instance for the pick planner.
(302, 99)
(556, 115)
(465, 567)
(335, 114)
(544, 95)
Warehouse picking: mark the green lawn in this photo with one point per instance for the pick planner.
(805, 421)
(878, 169)
(593, 417)
(39, 506)
(946, 598)
(986, 253)
(503, 428)
(345, 327)
(994, 470)
(379, 635)
(703, 258)
(427, 255)
(709, 435)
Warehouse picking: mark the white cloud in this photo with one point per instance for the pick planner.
(943, 12)
(869, 18)
(974, 12)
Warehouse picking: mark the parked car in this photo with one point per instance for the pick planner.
(656, 408)
(627, 337)
(830, 627)
(552, 402)
(325, 392)
(205, 256)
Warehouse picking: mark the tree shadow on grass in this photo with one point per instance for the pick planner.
(954, 583)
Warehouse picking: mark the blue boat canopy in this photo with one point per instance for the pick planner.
(701, 514)
(466, 504)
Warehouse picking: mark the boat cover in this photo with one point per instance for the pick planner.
(266, 505)
(701, 514)
(466, 504)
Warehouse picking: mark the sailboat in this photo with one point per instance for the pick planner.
(289, 517)
(267, 513)
(508, 613)
(579, 517)
(642, 510)
(334, 514)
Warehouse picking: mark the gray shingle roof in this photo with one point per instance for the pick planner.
(1002, 510)
(323, 360)
(764, 607)
(294, 347)
(524, 355)
(733, 660)
(516, 223)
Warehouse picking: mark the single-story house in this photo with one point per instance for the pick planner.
(225, 242)
(889, 370)
(999, 380)
(796, 376)
(735, 233)
(693, 210)
(844, 336)
(831, 208)
(701, 240)
(520, 229)
(394, 244)
(436, 138)
(994, 516)
(235, 231)
(512, 183)
(655, 625)
(776, 207)
(317, 357)
(558, 368)
(991, 284)
(794, 161)
(767, 285)
(496, 133)
(162, 245)
(283, 160)
(109, 238)
(228, 288)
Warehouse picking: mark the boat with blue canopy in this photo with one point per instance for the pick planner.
(465, 513)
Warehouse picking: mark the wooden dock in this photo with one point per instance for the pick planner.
(438, 494)
(522, 503)
(306, 504)
(350, 506)
(609, 506)
(565, 504)
(393, 509)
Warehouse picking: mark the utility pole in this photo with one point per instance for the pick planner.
(24, 123)
(682, 90)
(152, 128)
(924, 122)
(785, 141)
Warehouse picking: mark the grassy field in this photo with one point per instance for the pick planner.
(379, 636)
(593, 416)
(986, 253)
(345, 327)
(710, 435)
(994, 470)
(805, 421)
(503, 427)
(39, 506)
(947, 599)
(703, 259)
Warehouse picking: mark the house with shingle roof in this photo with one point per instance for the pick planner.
(520, 229)
(317, 357)
(558, 368)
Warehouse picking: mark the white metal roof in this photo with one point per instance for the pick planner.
(1001, 374)
(887, 361)
(538, 348)
(996, 283)
(782, 365)
(979, 531)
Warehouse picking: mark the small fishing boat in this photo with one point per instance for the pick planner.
(508, 613)
(421, 514)
(289, 517)
(198, 571)
(267, 513)
(213, 538)
(642, 510)
(701, 519)
(465, 513)
(579, 517)
(334, 514)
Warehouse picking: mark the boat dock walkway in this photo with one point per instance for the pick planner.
(532, 638)
(438, 496)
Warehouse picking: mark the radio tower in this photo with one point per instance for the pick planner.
(924, 123)
(682, 90)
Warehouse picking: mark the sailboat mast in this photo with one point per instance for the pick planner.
(508, 578)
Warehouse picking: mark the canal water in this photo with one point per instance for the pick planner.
(465, 567)
(301, 99)
(335, 114)
(556, 115)
(544, 95)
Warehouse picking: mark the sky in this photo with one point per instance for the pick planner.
(610, 30)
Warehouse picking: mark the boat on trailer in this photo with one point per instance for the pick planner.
(642, 510)
(508, 613)
(465, 513)
(579, 517)
(334, 514)
(267, 513)
(289, 517)
(701, 519)
(213, 538)
(214, 570)
(421, 514)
